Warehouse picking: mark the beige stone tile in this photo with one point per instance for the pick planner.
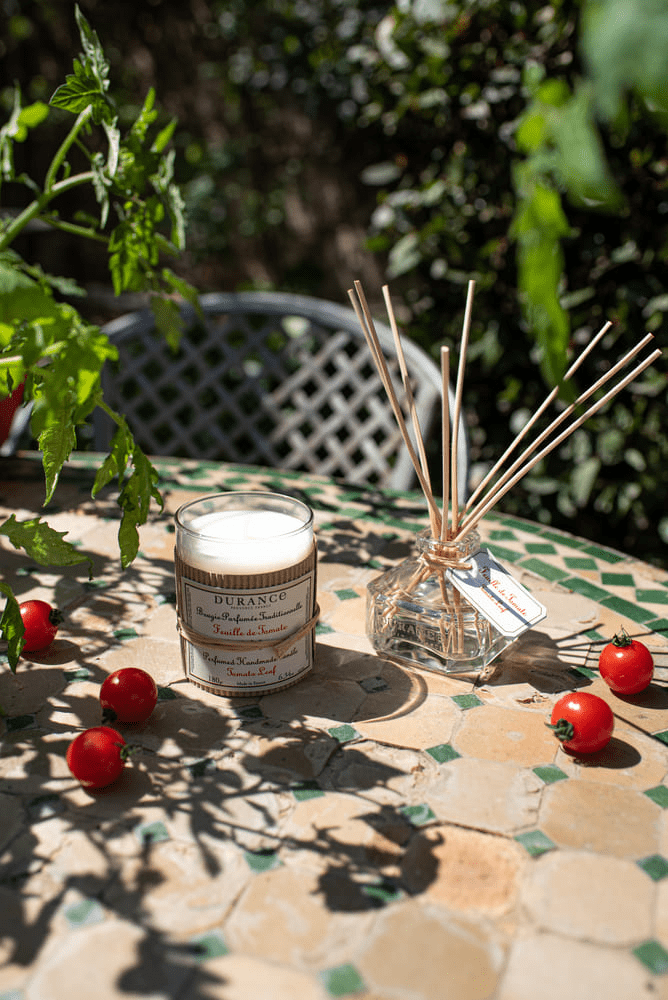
(630, 760)
(418, 951)
(160, 623)
(550, 967)
(316, 699)
(506, 735)
(464, 869)
(661, 918)
(158, 657)
(589, 897)
(486, 795)
(429, 723)
(584, 814)
(191, 890)
(13, 818)
(340, 830)
(26, 691)
(107, 952)
(240, 977)
(283, 917)
(286, 753)
(381, 774)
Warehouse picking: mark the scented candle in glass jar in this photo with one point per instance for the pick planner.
(245, 566)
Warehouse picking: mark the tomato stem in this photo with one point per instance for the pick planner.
(623, 639)
(562, 729)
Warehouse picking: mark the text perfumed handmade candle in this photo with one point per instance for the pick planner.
(246, 591)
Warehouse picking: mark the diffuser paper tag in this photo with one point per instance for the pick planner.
(495, 594)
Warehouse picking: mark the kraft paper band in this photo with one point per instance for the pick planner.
(279, 648)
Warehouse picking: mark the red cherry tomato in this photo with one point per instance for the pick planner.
(41, 623)
(626, 665)
(128, 695)
(97, 756)
(582, 722)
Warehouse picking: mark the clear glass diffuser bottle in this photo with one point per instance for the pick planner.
(416, 616)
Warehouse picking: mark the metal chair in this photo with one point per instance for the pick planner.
(269, 379)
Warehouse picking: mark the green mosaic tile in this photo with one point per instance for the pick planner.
(663, 737)
(527, 526)
(504, 554)
(605, 555)
(152, 833)
(250, 712)
(658, 625)
(309, 790)
(540, 548)
(79, 674)
(374, 684)
(652, 596)
(18, 722)
(12, 995)
(324, 629)
(655, 865)
(653, 956)
(342, 981)
(87, 912)
(418, 815)
(658, 794)
(535, 842)
(125, 633)
(166, 694)
(207, 946)
(565, 540)
(585, 588)
(546, 570)
(627, 608)
(200, 768)
(551, 773)
(346, 594)
(503, 535)
(583, 671)
(344, 734)
(262, 861)
(617, 580)
(443, 753)
(579, 562)
(465, 701)
(382, 893)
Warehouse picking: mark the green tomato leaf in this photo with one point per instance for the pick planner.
(168, 319)
(42, 543)
(134, 501)
(79, 92)
(12, 628)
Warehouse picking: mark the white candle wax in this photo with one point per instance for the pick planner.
(246, 541)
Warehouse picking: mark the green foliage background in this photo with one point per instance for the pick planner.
(518, 143)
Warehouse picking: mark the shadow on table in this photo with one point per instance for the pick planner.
(216, 777)
(547, 664)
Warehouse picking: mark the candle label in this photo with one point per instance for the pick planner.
(255, 618)
(498, 596)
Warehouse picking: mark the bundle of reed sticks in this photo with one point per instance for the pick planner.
(449, 522)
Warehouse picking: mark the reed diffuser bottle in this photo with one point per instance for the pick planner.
(416, 615)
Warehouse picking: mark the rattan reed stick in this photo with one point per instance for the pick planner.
(534, 417)
(410, 399)
(445, 435)
(365, 319)
(466, 329)
(564, 415)
(469, 523)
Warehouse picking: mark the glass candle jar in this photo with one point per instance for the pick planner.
(416, 615)
(245, 566)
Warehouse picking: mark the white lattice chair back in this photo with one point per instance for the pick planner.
(270, 379)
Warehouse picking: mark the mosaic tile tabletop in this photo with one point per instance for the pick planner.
(372, 832)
